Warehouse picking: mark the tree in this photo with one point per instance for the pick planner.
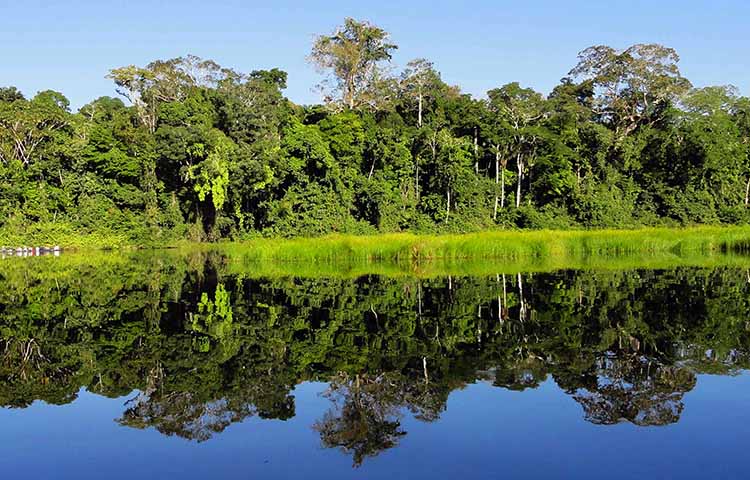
(633, 86)
(420, 82)
(26, 125)
(354, 54)
(709, 152)
(453, 166)
(520, 111)
(10, 94)
(165, 81)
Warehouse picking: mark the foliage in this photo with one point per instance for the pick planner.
(204, 152)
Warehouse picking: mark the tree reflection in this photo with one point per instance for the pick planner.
(636, 390)
(205, 348)
(365, 419)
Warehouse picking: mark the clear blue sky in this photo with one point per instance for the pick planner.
(70, 45)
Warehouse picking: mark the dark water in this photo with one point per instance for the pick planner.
(189, 367)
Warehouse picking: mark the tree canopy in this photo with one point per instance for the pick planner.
(200, 151)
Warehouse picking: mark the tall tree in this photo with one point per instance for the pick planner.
(633, 86)
(354, 54)
(521, 111)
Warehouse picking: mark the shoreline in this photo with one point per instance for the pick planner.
(491, 244)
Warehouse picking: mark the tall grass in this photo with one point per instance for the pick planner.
(486, 253)
(500, 245)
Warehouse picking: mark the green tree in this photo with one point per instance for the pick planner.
(354, 54)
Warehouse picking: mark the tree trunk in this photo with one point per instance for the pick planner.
(520, 178)
(747, 192)
(419, 114)
(448, 204)
(349, 93)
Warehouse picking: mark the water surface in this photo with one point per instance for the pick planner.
(162, 365)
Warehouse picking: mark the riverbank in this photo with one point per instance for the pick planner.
(563, 246)
(498, 245)
(353, 257)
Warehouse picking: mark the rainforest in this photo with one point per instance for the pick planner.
(187, 149)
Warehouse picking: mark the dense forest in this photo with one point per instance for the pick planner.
(199, 151)
(197, 348)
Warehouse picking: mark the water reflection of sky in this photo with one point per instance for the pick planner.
(485, 432)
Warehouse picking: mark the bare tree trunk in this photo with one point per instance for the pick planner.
(419, 114)
(747, 192)
(448, 205)
(520, 177)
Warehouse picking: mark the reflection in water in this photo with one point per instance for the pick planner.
(634, 389)
(201, 347)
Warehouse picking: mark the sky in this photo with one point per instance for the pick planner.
(70, 45)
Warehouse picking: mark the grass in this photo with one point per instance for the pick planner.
(498, 245)
(490, 252)
(477, 253)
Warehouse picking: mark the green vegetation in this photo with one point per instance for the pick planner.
(202, 152)
(558, 246)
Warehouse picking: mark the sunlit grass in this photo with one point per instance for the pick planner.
(496, 245)
(486, 253)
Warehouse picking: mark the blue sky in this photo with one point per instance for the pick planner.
(70, 45)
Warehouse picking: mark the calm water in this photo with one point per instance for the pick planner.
(169, 366)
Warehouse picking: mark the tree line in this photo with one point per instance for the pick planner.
(202, 151)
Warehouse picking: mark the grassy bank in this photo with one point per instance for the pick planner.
(501, 245)
(527, 249)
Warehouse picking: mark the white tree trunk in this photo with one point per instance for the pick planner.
(419, 114)
(448, 204)
(520, 178)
